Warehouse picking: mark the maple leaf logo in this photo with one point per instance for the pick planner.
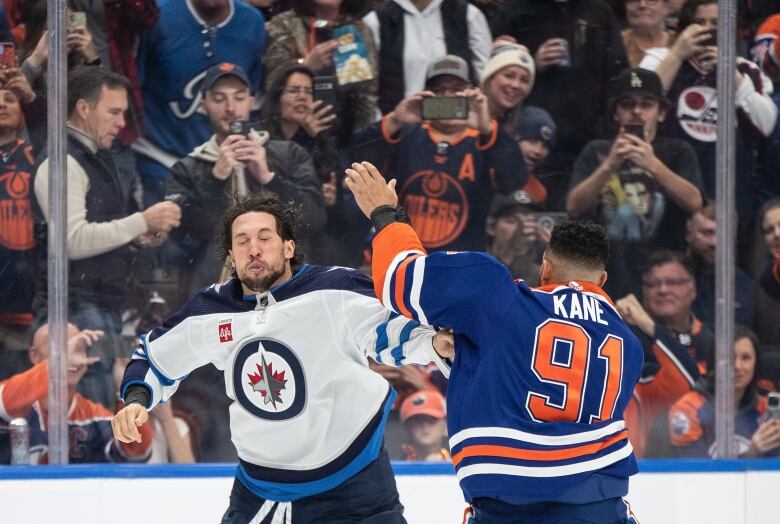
(268, 383)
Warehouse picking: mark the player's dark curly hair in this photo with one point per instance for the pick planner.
(583, 243)
(287, 215)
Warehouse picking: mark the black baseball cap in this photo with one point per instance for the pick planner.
(637, 81)
(219, 71)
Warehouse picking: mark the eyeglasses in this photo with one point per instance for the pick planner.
(668, 282)
(297, 90)
(629, 104)
(647, 2)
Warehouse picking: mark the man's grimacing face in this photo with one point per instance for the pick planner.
(259, 255)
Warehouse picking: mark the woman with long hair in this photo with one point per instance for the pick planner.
(305, 34)
(692, 417)
(291, 113)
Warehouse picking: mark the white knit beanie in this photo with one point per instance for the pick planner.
(507, 54)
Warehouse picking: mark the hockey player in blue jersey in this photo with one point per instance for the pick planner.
(292, 339)
(541, 376)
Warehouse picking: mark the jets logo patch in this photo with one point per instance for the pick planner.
(268, 380)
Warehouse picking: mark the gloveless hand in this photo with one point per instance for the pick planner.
(369, 187)
(318, 118)
(479, 115)
(637, 151)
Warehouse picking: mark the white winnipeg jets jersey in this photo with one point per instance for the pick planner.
(308, 413)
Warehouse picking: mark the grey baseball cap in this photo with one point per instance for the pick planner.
(448, 65)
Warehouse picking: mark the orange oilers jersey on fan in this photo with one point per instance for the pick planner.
(90, 438)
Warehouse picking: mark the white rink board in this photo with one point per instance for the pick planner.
(728, 495)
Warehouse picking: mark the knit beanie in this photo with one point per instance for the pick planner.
(507, 54)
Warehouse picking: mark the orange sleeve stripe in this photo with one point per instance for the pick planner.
(537, 454)
(21, 391)
(386, 134)
(491, 140)
(393, 239)
(400, 278)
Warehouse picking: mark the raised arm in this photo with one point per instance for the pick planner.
(452, 290)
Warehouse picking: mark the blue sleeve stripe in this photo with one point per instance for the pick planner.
(382, 340)
(406, 333)
(404, 287)
(393, 284)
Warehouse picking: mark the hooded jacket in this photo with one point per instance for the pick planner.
(204, 198)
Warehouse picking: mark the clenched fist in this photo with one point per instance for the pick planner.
(125, 423)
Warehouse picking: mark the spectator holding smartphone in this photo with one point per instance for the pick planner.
(692, 417)
(641, 188)
(688, 72)
(449, 167)
(33, 57)
(232, 163)
(409, 34)
(290, 112)
(190, 37)
(305, 34)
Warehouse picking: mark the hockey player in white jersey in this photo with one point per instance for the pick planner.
(308, 415)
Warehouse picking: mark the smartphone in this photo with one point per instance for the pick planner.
(239, 127)
(638, 130)
(77, 19)
(773, 405)
(322, 31)
(8, 55)
(325, 89)
(445, 107)
(712, 40)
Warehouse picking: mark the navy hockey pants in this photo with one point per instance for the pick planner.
(370, 497)
(610, 511)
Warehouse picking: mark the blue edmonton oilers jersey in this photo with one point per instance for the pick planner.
(308, 413)
(540, 379)
(173, 57)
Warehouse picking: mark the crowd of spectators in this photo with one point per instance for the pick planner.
(575, 109)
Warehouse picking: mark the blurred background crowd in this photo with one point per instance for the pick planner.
(497, 118)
